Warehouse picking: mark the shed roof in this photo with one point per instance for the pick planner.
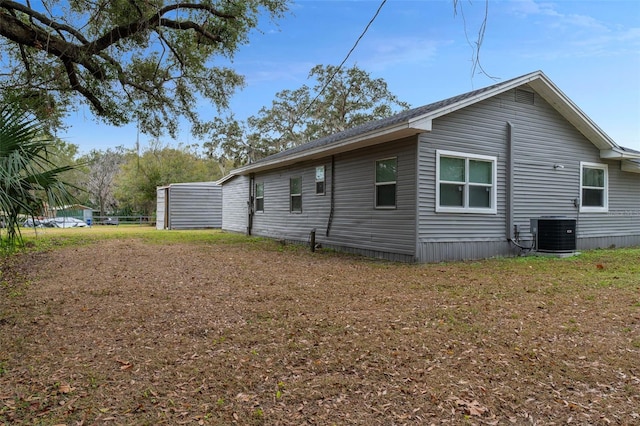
(189, 184)
(419, 120)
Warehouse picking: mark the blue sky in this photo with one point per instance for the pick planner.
(590, 49)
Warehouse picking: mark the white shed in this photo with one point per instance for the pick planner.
(193, 205)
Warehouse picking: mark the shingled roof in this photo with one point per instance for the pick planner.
(372, 126)
(418, 120)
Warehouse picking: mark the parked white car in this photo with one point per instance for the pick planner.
(56, 222)
(65, 222)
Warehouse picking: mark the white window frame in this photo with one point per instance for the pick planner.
(493, 209)
(391, 182)
(259, 197)
(292, 195)
(593, 209)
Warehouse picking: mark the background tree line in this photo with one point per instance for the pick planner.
(120, 181)
(123, 181)
(150, 63)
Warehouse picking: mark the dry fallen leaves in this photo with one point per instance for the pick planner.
(472, 408)
(356, 341)
(65, 388)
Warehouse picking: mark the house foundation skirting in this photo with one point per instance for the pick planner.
(429, 252)
(394, 257)
(591, 243)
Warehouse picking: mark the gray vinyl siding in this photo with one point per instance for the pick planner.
(357, 223)
(541, 138)
(357, 226)
(235, 193)
(526, 140)
(160, 208)
(196, 205)
(620, 225)
(277, 221)
(475, 130)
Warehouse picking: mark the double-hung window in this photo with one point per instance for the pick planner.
(386, 176)
(594, 187)
(320, 180)
(465, 183)
(295, 194)
(260, 196)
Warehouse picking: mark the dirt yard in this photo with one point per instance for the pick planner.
(131, 332)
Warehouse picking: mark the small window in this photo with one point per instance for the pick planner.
(320, 180)
(465, 183)
(260, 197)
(386, 175)
(594, 187)
(295, 193)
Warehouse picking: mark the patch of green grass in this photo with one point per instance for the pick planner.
(258, 415)
(46, 239)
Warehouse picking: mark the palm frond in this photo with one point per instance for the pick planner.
(29, 180)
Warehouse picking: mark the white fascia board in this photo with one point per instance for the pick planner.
(421, 124)
(208, 183)
(223, 179)
(418, 124)
(610, 154)
(409, 128)
(570, 111)
(630, 166)
(616, 154)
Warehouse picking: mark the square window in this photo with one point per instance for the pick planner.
(480, 172)
(479, 196)
(451, 195)
(465, 183)
(592, 197)
(386, 170)
(386, 195)
(452, 169)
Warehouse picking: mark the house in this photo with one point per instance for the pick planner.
(194, 205)
(457, 179)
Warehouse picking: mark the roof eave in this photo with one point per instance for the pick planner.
(537, 80)
(406, 129)
(630, 166)
(570, 111)
(617, 154)
(525, 79)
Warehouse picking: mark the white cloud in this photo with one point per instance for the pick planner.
(525, 8)
(384, 53)
(291, 73)
(530, 8)
(574, 34)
